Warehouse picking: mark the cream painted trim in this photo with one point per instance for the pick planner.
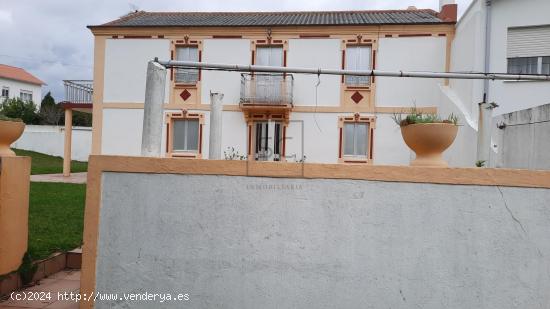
(170, 118)
(97, 96)
(296, 109)
(68, 142)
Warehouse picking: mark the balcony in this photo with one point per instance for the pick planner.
(264, 90)
(78, 94)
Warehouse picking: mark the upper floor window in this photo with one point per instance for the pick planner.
(529, 65)
(269, 56)
(25, 95)
(5, 92)
(528, 50)
(358, 58)
(187, 53)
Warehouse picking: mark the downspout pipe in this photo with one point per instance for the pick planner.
(485, 107)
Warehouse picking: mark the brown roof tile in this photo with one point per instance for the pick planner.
(15, 73)
(243, 19)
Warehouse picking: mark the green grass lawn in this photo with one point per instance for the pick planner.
(45, 164)
(56, 217)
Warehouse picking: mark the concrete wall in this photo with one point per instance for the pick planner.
(251, 242)
(15, 88)
(524, 142)
(50, 140)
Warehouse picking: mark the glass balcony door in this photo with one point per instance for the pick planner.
(268, 86)
(268, 141)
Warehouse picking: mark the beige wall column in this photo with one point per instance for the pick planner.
(14, 211)
(68, 141)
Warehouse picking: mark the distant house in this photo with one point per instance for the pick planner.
(344, 120)
(18, 83)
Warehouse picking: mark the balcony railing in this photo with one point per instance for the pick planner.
(78, 91)
(266, 89)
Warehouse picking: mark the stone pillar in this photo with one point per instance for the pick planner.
(14, 211)
(68, 142)
(215, 145)
(151, 140)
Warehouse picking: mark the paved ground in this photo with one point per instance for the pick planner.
(59, 283)
(74, 178)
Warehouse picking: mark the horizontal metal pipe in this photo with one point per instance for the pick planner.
(260, 68)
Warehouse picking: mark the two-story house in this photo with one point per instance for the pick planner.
(18, 83)
(276, 117)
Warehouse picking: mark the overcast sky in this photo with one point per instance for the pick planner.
(49, 38)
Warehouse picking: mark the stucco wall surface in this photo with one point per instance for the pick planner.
(50, 140)
(258, 242)
(523, 143)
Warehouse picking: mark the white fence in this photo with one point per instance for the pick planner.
(50, 140)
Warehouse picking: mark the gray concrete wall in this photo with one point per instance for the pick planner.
(525, 140)
(258, 242)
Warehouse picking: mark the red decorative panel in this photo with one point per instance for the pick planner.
(185, 94)
(357, 97)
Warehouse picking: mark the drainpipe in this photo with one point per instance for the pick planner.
(485, 108)
(215, 144)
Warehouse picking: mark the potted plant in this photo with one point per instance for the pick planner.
(10, 130)
(428, 135)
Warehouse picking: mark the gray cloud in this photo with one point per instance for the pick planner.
(50, 39)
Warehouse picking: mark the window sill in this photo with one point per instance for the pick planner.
(357, 87)
(184, 85)
(363, 160)
(184, 155)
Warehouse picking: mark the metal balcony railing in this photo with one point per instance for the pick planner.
(79, 91)
(266, 89)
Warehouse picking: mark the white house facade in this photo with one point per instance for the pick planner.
(17, 83)
(325, 119)
(497, 36)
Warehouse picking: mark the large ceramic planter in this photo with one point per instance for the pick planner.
(10, 131)
(428, 141)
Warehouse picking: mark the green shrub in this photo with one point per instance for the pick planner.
(415, 117)
(16, 108)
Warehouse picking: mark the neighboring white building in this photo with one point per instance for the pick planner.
(275, 117)
(17, 83)
(498, 36)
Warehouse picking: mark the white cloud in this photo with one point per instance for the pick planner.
(5, 17)
(50, 38)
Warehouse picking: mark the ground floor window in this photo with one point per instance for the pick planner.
(184, 135)
(5, 92)
(268, 141)
(356, 139)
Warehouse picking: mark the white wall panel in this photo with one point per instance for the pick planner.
(315, 53)
(409, 54)
(121, 134)
(232, 51)
(126, 67)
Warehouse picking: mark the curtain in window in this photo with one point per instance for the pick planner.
(268, 86)
(358, 58)
(356, 139)
(187, 76)
(186, 136)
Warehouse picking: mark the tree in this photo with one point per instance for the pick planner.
(24, 110)
(50, 113)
